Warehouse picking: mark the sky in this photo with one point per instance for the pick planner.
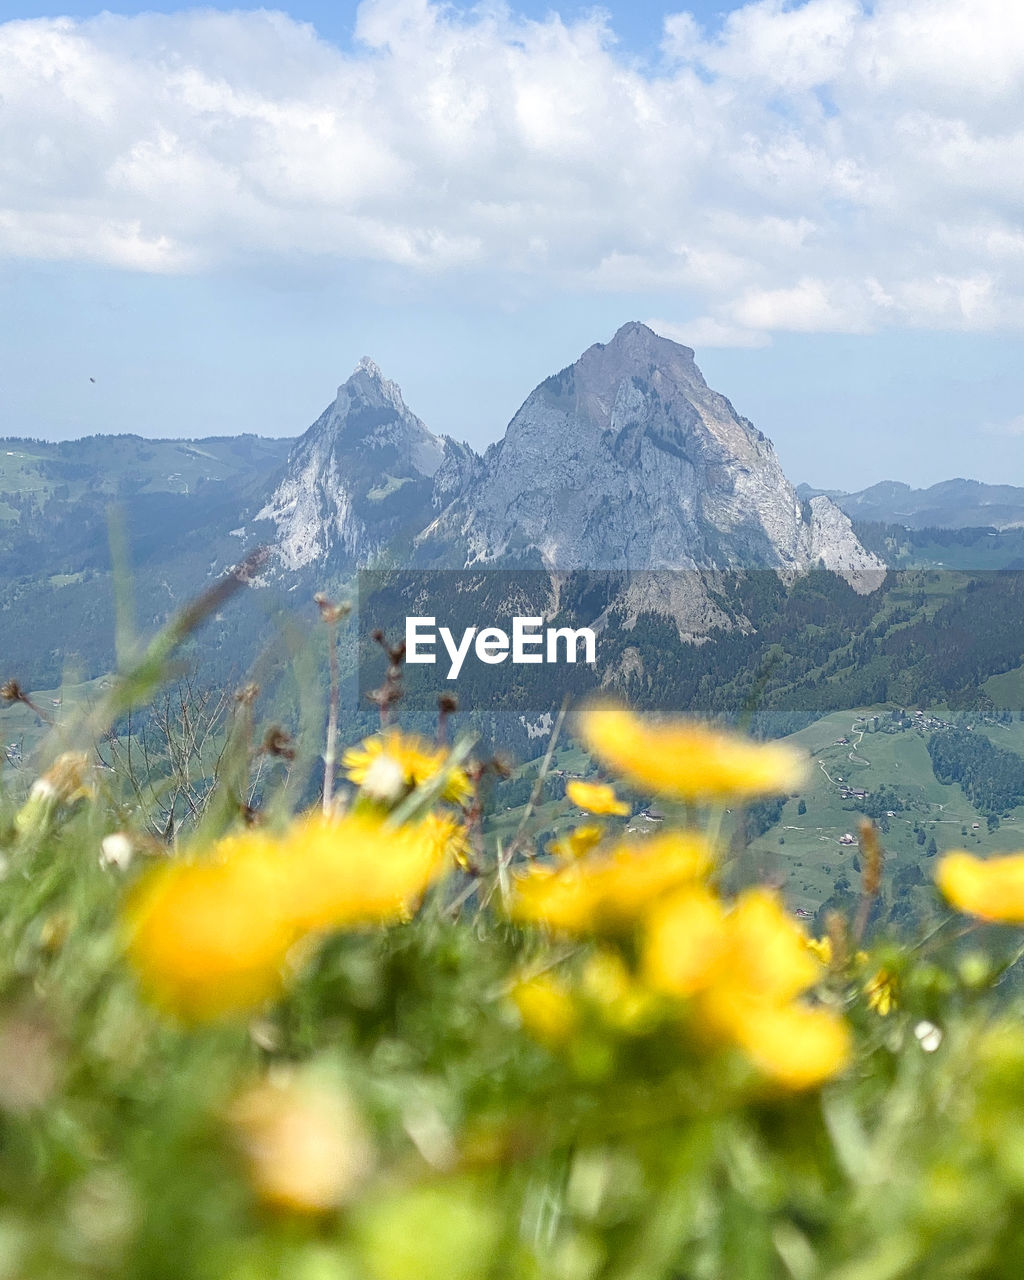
(216, 212)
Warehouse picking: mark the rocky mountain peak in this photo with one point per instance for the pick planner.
(368, 383)
(626, 459)
(360, 474)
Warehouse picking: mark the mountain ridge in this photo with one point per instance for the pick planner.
(625, 459)
(958, 503)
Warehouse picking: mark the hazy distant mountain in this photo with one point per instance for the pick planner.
(628, 460)
(951, 504)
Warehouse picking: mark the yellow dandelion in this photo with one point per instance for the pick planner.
(991, 889)
(770, 948)
(794, 1045)
(684, 941)
(751, 953)
(596, 797)
(578, 842)
(208, 939)
(741, 968)
(688, 760)
(610, 891)
(353, 871)
(547, 1009)
(406, 756)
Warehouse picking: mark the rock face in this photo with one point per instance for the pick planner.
(361, 476)
(628, 460)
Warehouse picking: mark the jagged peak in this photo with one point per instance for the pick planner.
(368, 371)
(635, 335)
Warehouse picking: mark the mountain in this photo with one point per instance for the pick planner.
(55, 497)
(628, 460)
(951, 504)
(624, 460)
(360, 476)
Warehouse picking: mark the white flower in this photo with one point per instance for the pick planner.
(384, 780)
(929, 1037)
(116, 851)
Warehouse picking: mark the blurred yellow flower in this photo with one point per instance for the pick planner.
(547, 1009)
(578, 842)
(409, 757)
(687, 759)
(354, 871)
(743, 968)
(992, 889)
(610, 891)
(685, 939)
(305, 1144)
(208, 939)
(795, 1045)
(881, 993)
(752, 952)
(596, 797)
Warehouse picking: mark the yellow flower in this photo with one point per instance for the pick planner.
(881, 993)
(305, 1144)
(208, 939)
(753, 952)
(578, 842)
(822, 949)
(689, 760)
(992, 889)
(547, 1009)
(610, 891)
(410, 758)
(742, 969)
(596, 797)
(684, 941)
(795, 1045)
(353, 871)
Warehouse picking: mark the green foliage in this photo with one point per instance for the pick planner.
(992, 778)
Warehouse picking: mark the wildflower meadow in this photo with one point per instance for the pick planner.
(360, 1039)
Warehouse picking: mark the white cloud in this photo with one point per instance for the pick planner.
(823, 165)
(706, 331)
(1014, 427)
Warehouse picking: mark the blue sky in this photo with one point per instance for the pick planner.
(216, 213)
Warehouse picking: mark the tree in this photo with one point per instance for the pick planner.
(802, 808)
